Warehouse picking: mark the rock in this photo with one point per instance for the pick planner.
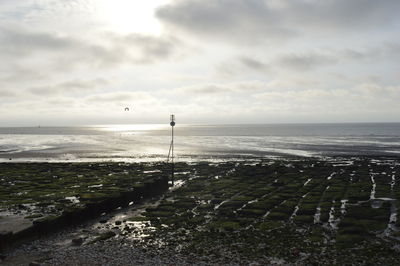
(103, 236)
(4, 234)
(118, 223)
(77, 241)
(21, 206)
(103, 221)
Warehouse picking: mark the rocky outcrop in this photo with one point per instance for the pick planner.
(92, 207)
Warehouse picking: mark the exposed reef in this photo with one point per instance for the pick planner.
(40, 198)
(303, 211)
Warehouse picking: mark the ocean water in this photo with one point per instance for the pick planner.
(197, 142)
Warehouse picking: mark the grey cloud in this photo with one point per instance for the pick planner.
(251, 21)
(227, 69)
(237, 66)
(356, 55)
(61, 102)
(7, 93)
(253, 63)
(343, 14)
(207, 89)
(210, 89)
(104, 51)
(73, 86)
(360, 99)
(120, 96)
(392, 49)
(305, 61)
(295, 62)
(15, 73)
(245, 20)
(312, 59)
(372, 53)
(20, 42)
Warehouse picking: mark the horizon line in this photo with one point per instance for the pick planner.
(197, 124)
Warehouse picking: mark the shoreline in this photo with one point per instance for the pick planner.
(219, 158)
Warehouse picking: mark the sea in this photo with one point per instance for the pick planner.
(152, 142)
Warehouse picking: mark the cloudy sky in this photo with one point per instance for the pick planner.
(77, 62)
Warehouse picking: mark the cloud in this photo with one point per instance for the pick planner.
(285, 95)
(70, 87)
(253, 63)
(305, 61)
(229, 88)
(358, 99)
(344, 15)
(15, 73)
(374, 90)
(276, 58)
(246, 21)
(255, 21)
(149, 49)
(119, 97)
(287, 61)
(17, 41)
(101, 51)
(7, 93)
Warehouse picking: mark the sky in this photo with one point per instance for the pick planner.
(81, 62)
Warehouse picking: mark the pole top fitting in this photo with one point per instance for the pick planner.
(172, 118)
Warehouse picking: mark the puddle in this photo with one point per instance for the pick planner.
(73, 199)
(372, 195)
(95, 186)
(333, 223)
(343, 206)
(177, 184)
(152, 171)
(317, 215)
(393, 183)
(308, 181)
(294, 213)
(331, 175)
(11, 222)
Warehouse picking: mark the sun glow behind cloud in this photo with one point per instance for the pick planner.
(126, 16)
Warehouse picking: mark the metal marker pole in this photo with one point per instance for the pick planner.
(172, 147)
(173, 166)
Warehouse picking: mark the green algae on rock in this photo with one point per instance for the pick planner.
(305, 211)
(52, 196)
(289, 209)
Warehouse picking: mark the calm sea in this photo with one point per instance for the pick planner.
(197, 142)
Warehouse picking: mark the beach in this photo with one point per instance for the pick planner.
(294, 210)
(188, 132)
(212, 132)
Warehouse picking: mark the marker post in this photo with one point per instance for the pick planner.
(171, 147)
